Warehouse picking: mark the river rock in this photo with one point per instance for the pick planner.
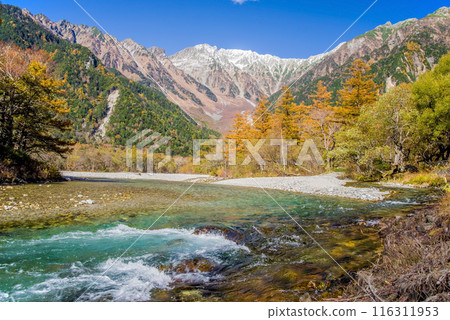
(228, 233)
(190, 295)
(194, 265)
(89, 201)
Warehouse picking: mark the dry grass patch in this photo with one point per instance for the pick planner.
(415, 263)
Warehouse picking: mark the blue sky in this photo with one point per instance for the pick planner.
(286, 28)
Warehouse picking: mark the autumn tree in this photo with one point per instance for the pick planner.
(240, 130)
(383, 138)
(321, 122)
(392, 121)
(31, 109)
(358, 90)
(431, 93)
(262, 118)
(287, 116)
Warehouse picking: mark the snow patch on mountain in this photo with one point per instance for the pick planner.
(252, 74)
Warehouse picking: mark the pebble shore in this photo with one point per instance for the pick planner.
(326, 184)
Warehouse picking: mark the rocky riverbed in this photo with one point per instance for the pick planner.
(202, 242)
(43, 205)
(326, 184)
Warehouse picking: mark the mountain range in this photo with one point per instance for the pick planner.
(398, 53)
(212, 85)
(105, 106)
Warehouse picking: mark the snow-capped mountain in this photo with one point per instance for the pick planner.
(211, 85)
(240, 73)
(150, 66)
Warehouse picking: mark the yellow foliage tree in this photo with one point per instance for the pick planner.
(32, 108)
(287, 116)
(322, 122)
(262, 119)
(359, 90)
(240, 131)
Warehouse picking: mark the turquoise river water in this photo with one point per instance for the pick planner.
(217, 243)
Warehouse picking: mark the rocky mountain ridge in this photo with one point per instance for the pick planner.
(150, 66)
(230, 84)
(398, 53)
(213, 84)
(240, 72)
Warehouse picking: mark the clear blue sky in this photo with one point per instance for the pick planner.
(286, 28)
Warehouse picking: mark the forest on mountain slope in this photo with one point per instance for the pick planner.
(74, 78)
(88, 84)
(396, 53)
(355, 123)
(369, 134)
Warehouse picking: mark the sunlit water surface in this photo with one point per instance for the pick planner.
(216, 244)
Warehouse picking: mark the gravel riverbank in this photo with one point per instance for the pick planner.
(325, 184)
(177, 177)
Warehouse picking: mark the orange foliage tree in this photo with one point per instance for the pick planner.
(262, 119)
(287, 117)
(240, 131)
(322, 122)
(359, 90)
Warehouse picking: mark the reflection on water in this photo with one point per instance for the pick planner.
(216, 244)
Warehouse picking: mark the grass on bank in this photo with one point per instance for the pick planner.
(415, 263)
(435, 178)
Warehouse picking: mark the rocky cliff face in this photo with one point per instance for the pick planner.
(398, 53)
(239, 73)
(212, 84)
(152, 67)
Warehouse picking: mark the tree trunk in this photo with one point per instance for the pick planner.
(399, 158)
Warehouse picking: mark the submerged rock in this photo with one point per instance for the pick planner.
(195, 265)
(190, 295)
(240, 236)
(191, 265)
(229, 233)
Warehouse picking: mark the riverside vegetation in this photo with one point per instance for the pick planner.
(53, 97)
(414, 263)
(370, 135)
(400, 136)
(56, 93)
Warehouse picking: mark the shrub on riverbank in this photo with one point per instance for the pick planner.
(17, 167)
(424, 179)
(32, 116)
(415, 262)
(405, 130)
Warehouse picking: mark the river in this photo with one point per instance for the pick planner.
(216, 243)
